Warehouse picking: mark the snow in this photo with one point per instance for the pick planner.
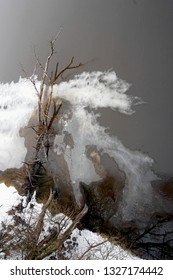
(17, 103)
(8, 198)
(84, 238)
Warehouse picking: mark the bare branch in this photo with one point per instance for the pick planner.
(58, 243)
(39, 225)
(40, 65)
(68, 67)
(91, 246)
(56, 111)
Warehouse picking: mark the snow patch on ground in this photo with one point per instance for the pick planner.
(9, 197)
(75, 247)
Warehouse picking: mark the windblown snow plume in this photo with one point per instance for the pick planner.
(98, 90)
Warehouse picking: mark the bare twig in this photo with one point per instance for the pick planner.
(68, 67)
(39, 225)
(58, 243)
(91, 247)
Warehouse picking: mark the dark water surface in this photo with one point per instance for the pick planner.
(134, 37)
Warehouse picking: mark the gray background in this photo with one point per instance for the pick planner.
(134, 37)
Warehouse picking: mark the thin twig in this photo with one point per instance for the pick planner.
(39, 225)
(68, 67)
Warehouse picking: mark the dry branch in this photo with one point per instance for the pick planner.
(91, 247)
(56, 245)
(70, 66)
(39, 225)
